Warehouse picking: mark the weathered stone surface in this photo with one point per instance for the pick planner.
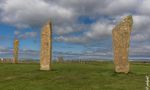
(121, 41)
(16, 49)
(46, 47)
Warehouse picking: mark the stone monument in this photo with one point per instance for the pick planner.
(16, 49)
(46, 47)
(60, 59)
(121, 43)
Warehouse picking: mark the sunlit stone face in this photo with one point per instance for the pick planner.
(16, 49)
(121, 43)
(46, 47)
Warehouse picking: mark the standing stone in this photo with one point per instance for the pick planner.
(2, 60)
(121, 42)
(60, 59)
(46, 47)
(16, 49)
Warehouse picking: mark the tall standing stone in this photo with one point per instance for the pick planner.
(121, 43)
(46, 47)
(16, 49)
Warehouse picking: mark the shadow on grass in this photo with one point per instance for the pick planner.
(52, 70)
(123, 74)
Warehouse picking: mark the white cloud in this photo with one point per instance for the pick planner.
(119, 7)
(16, 32)
(139, 37)
(64, 30)
(64, 15)
(99, 30)
(141, 28)
(144, 7)
(140, 50)
(141, 22)
(71, 39)
(25, 13)
(27, 35)
(4, 49)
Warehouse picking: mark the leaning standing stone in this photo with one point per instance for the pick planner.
(121, 43)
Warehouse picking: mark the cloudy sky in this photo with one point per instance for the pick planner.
(81, 28)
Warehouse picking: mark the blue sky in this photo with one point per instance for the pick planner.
(81, 28)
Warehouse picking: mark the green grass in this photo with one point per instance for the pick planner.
(72, 76)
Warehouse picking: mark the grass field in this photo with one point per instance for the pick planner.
(72, 76)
